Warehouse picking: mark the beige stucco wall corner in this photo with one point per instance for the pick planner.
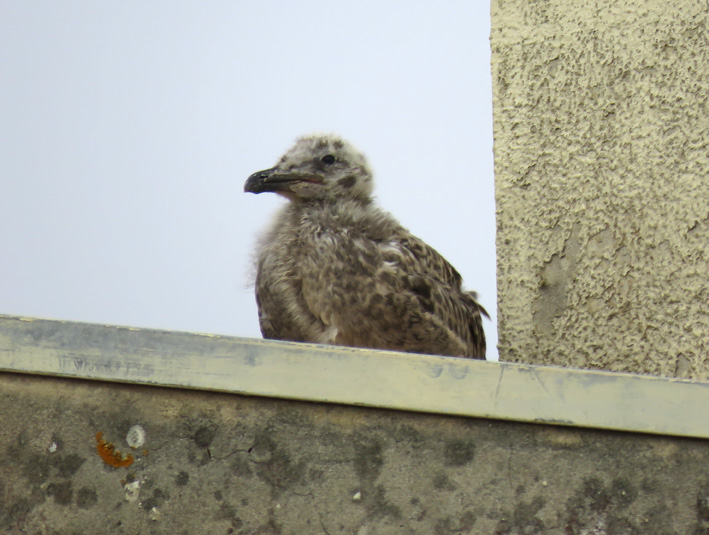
(601, 128)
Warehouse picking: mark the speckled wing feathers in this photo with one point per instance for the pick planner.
(439, 297)
(363, 285)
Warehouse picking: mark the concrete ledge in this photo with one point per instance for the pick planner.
(80, 457)
(106, 456)
(390, 380)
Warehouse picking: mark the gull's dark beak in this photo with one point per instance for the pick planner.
(272, 180)
(262, 181)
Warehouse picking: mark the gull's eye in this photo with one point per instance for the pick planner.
(328, 159)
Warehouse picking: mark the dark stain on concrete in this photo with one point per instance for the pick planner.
(523, 518)
(36, 469)
(263, 447)
(62, 492)
(703, 503)
(228, 512)
(68, 465)
(316, 474)
(455, 524)
(622, 492)
(418, 512)
(596, 502)
(649, 484)
(378, 506)
(458, 452)
(656, 521)
(273, 465)
(159, 496)
(225, 512)
(289, 416)
(616, 524)
(241, 465)
(200, 458)
(182, 479)
(408, 434)
(204, 435)
(703, 510)
(369, 457)
(86, 498)
(593, 495)
(17, 511)
(270, 528)
(443, 482)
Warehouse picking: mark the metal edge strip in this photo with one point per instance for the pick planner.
(401, 381)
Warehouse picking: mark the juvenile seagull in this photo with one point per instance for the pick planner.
(335, 269)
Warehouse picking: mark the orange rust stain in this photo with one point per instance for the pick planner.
(110, 455)
(145, 453)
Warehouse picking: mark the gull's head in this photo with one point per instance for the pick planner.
(317, 167)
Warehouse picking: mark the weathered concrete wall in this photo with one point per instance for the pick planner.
(601, 118)
(226, 464)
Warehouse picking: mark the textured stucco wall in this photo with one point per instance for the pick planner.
(601, 123)
(222, 464)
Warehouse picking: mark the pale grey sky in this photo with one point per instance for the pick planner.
(127, 131)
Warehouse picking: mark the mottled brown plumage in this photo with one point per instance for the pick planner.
(335, 269)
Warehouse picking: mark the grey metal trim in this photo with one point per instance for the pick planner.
(351, 376)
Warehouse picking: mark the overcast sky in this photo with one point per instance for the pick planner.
(127, 130)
